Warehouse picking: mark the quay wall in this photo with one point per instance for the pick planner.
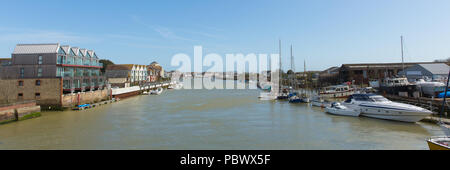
(46, 92)
(19, 112)
(135, 90)
(71, 100)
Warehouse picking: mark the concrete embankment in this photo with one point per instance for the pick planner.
(17, 112)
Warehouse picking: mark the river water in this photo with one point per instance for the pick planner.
(210, 119)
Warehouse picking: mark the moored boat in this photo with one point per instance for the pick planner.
(338, 109)
(439, 143)
(157, 91)
(320, 102)
(376, 106)
(338, 91)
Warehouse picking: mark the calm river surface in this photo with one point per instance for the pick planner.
(210, 119)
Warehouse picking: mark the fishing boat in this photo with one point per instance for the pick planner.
(337, 91)
(397, 84)
(158, 91)
(337, 109)
(377, 106)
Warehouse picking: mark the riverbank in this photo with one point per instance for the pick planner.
(19, 111)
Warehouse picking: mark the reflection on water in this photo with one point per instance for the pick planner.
(210, 119)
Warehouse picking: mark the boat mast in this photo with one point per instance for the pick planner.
(281, 71)
(304, 73)
(292, 61)
(403, 64)
(292, 69)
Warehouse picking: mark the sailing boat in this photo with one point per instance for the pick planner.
(300, 98)
(441, 142)
(274, 88)
(285, 93)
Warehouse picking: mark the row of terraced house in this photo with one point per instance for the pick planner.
(56, 75)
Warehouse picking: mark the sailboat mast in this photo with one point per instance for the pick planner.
(292, 61)
(403, 64)
(280, 71)
(306, 75)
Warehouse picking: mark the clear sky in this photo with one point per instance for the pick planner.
(324, 33)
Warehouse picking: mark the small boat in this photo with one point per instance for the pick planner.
(284, 95)
(81, 107)
(439, 143)
(157, 91)
(338, 109)
(339, 91)
(320, 102)
(145, 93)
(430, 88)
(295, 98)
(267, 96)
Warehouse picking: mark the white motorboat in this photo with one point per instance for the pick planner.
(175, 85)
(267, 96)
(430, 88)
(338, 109)
(376, 106)
(320, 102)
(157, 91)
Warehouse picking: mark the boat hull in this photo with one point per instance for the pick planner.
(404, 117)
(337, 94)
(342, 112)
(320, 104)
(434, 143)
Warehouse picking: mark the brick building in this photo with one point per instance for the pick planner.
(46, 72)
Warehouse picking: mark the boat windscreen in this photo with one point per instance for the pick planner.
(379, 99)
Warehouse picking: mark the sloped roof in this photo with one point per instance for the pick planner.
(75, 50)
(83, 51)
(66, 48)
(36, 48)
(437, 68)
(91, 53)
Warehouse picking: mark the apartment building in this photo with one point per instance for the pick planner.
(78, 68)
(126, 75)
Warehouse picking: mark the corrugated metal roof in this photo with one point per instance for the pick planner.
(438, 68)
(36, 48)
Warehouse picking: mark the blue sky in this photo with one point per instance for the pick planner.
(324, 33)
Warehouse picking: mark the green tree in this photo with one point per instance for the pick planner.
(105, 64)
